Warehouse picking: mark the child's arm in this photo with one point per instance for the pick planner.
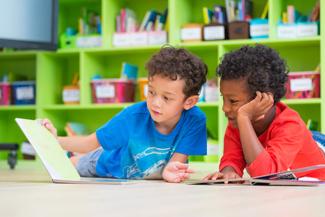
(252, 111)
(80, 144)
(176, 169)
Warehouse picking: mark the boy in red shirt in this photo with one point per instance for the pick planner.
(263, 135)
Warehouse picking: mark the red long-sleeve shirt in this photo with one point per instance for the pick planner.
(287, 143)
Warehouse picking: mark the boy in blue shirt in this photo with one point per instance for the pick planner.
(152, 139)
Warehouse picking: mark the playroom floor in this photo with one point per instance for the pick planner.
(28, 191)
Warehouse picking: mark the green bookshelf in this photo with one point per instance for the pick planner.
(53, 70)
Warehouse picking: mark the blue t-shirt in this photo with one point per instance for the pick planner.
(133, 148)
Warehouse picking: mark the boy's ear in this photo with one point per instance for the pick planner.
(190, 102)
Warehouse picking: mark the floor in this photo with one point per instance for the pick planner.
(28, 191)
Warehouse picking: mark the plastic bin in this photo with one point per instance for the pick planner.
(4, 93)
(143, 88)
(23, 92)
(71, 94)
(112, 91)
(302, 85)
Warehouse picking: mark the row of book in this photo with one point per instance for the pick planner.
(291, 15)
(126, 21)
(89, 22)
(234, 10)
(239, 10)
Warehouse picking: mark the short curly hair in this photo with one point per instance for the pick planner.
(178, 63)
(261, 66)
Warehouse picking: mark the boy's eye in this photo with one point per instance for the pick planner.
(166, 98)
(233, 101)
(150, 92)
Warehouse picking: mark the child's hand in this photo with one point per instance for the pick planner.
(176, 172)
(258, 107)
(48, 125)
(213, 176)
(219, 175)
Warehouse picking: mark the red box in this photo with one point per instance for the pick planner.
(303, 85)
(112, 90)
(4, 93)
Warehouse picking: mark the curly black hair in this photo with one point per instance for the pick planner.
(262, 66)
(178, 63)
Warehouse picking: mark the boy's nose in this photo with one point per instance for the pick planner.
(225, 108)
(156, 102)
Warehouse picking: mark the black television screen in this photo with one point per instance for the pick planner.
(28, 24)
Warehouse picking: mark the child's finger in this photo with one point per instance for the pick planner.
(45, 121)
(207, 177)
(181, 166)
(258, 96)
(260, 117)
(217, 176)
(189, 170)
(184, 176)
(176, 180)
(271, 98)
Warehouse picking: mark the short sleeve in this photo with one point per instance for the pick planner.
(194, 138)
(114, 134)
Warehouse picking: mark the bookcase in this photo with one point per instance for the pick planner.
(53, 70)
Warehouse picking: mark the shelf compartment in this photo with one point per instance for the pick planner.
(308, 111)
(71, 11)
(10, 132)
(111, 8)
(290, 50)
(108, 64)
(190, 11)
(21, 66)
(55, 70)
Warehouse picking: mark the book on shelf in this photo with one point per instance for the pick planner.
(265, 11)
(154, 21)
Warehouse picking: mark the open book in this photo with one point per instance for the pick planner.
(54, 158)
(285, 178)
